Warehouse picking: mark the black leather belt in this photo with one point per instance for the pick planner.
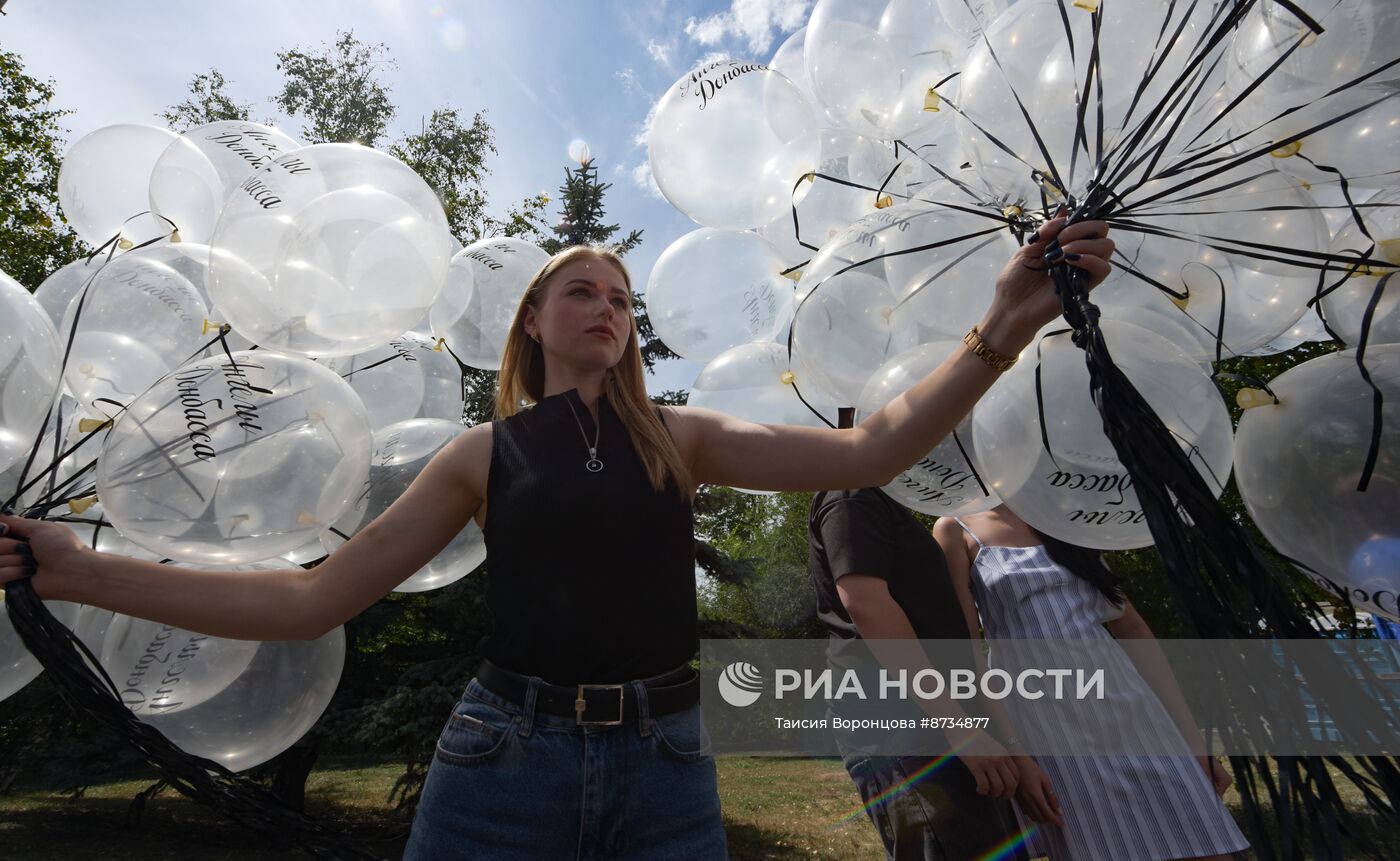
(604, 705)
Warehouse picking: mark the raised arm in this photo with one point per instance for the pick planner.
(726, 450)
(284, 604)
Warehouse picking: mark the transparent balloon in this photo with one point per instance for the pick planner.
(1027, 63)
(758, 383)
(946, 481)
(159, 669)
(1299, 463)
(485, 284)
(103, 182)
(825, 205)
(729, 141)
(235, 459)
(17, 666)
(1290, 65)
(64, 464)
(409, 378)
(712, 290)
(944, 290)
(1366, 268)
(329, 251)
(843, 329)
(267, 708)
(59, 288)
(872, 65)
(30, 355)
(401, 451)
(200, 169)
(138, 320)
(1079, 490)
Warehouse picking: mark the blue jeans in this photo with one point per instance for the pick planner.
(512, 783)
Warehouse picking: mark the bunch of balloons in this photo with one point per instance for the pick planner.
(261, 355)
(859, 192)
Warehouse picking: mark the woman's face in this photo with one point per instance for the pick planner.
(585, 317)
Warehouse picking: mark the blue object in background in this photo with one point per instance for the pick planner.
(1386, 629)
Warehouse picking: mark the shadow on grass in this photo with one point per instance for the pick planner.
(751, 843)
(171, 828)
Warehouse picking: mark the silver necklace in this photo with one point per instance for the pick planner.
(593, 464)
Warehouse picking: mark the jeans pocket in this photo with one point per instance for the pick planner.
(682, 735)
(476, 732)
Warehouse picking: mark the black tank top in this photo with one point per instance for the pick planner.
(591, 575)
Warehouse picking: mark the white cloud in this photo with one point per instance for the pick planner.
(752, 21)
(631, 83)
(643, 132)
(642, 178)
(659, 52)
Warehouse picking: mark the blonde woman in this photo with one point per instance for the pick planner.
(581, 736)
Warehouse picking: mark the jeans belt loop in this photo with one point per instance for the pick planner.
(643, 709)
(527, 719)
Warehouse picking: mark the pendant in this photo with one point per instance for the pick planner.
(594, 465)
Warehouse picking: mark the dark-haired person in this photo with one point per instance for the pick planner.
(581, 736)
(1027, 585)
(880, 577)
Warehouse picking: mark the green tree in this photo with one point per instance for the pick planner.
(337, 90)
(34, 241)
(451, 157)
(208, 102)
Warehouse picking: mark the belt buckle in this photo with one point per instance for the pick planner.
(581, 705)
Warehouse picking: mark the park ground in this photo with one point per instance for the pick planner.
(774, 809)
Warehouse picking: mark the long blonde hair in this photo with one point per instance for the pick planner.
(521, 381)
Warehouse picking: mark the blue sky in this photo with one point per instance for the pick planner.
(546, 73)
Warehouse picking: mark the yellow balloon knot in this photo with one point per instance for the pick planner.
(86, 369)
(1012, 211)
(175, 235)
(1309, 37)
(78, 506)
(437, 348)
(788, 378)
(1390, 250)
(810, 176)
(795, 275)
(1086, 5)
(1248, 399)
(1287, 150)
(1181, 301)
(306, 518)
(125, 244)
(93, 425)
(884, 201)
(931, 101)
(210, 324)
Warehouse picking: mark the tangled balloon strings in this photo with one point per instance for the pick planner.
(1222, 584)
(85, 683)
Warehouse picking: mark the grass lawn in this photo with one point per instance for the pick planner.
(780, 809)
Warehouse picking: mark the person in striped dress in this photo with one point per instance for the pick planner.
(1026, 585)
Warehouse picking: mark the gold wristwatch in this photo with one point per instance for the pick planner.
(997, 362)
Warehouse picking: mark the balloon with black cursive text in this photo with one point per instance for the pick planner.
(328, 251)
(401, 451)
(945, 482)
(712, 290)
(481, 295)
(1298, 465)
(729, 141)
(1072, 484)
(200, 169)
(137, 320)
(235, 459)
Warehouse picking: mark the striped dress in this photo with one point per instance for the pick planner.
(1116, 808)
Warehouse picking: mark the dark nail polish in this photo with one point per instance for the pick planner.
(1054, 255)
(4, 530)
(23, 549)
(1071, 257)
(1035, 237)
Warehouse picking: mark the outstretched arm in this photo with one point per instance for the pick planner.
(285, 604)
(730, 451)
